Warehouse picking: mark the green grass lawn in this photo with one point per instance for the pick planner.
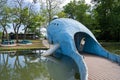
(113, 47)
(36, 44)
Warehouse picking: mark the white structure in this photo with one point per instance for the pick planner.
(43, 32)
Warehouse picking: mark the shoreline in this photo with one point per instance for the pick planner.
(36, 45)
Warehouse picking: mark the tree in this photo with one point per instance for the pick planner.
(82, 12)
(31, 20)
(62, 14)
(2, 3)
(17, 16)
(70, 9)
(49, 8)
(21, 16)
(108, 18)
(4, 21)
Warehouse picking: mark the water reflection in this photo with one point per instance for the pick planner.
(31, 66)
(62, 69)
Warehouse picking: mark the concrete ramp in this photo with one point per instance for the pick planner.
(100, 68)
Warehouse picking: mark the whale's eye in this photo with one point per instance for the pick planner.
(56, 24)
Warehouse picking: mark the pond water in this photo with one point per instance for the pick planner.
(29, 65)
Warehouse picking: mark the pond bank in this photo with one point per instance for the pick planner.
(36, 44)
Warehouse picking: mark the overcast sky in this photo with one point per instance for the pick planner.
(66, 1)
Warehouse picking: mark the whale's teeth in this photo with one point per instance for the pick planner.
(51, 50)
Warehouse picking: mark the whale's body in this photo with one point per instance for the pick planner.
(69, 34)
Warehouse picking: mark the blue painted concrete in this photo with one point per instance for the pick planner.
(69, 33)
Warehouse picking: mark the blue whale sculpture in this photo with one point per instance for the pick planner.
(71, 38)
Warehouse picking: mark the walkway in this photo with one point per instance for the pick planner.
(101, 69)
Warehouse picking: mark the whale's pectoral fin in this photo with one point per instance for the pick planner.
(81, 65)
(51, 50)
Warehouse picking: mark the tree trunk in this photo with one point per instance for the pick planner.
(25, 33)
(6, 34)
(118, 35)
(3, 36)
(49, 9)
(16, 29)
(17, 37)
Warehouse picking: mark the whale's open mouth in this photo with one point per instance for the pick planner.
(80, 40)
(86, 44)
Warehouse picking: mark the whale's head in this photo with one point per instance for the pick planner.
(65, 30)
(54, 30)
